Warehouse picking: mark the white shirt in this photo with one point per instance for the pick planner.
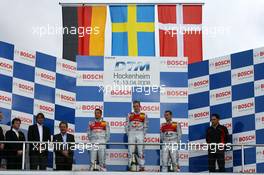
(16, 131)
(40, 130)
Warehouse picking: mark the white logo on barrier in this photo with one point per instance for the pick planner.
(65, 98)
(81, 137)
(171, 64)
(220, 64)
(259, 154)
(23, 88)
(248, 137)
(243, 107)
(220, 96)
(197, 85)
(151, 109)
(179, 95)
(90, 78)
(5, 100)
(116, 157)
(199, 116)
(45, 77)
(86, 109)
(250, 168)
(183, 157)
(259, 120)
(48, 109)
(152, 138)
(229, 159)
(6, 67)
(259, 88)
(242, 75)
(25, 57)
(258, 55)
(117, 124)
(66, 67)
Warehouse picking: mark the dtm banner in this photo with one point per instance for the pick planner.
(233, 87)
(112, 83)
(33, 82)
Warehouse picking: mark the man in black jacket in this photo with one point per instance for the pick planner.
(216, 134)
(14, 151)
(38, 152)
(2, 138)
(63, 152)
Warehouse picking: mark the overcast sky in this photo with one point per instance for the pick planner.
(239, 23)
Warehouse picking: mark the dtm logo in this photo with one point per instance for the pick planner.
(131, 66)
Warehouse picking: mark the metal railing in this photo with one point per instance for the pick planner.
(242, 147)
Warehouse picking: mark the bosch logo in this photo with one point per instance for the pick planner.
(67, 98)
(118, 155)
(262, 86)
(48, 77)
(228, 125)
(250, 170)
(25, 120)
(6, 66)
(69, 67)
(177, 93)
(92, 76)
(228, 158)
(46, 108)
(246, 105)
(91, 107)
(120, 92)
(27, 55)
(245, 73)
(176, 63)
(25, 87)
(118, 123)
(5, 98)
(184, 124)
(150, 108)
(183, 156)
(201, 83)
(223, 94)
(152, 140)
(84, 137)
(246, 138)
(131, 66)
(201, 114)
(221, 63)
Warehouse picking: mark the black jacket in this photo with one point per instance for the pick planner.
(59, 157)
(12, 148)
(217, 135)
(33, 135)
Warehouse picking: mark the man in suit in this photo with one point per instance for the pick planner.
(14, 151)
(63, 153)
(38, 132)
(2, 138)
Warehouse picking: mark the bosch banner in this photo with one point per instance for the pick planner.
(231, 86)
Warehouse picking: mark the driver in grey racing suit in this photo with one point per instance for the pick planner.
(137, 125)
(170, 134)
(98, 132)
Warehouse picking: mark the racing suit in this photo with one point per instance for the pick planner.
(99, 132)
(170, 133)
(136, 128)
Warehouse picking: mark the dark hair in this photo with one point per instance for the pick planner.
(215, 115)
(65, 123)
(168, 112)
(40, 115)
(16, 119)
(136, 102)
(97, 109)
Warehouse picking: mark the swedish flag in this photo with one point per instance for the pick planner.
(133, 30)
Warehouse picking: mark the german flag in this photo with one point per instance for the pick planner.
(83, 31)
